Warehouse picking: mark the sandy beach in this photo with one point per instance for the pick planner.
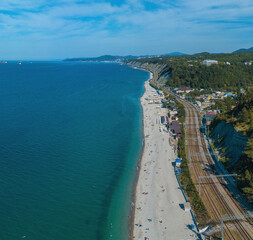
(158, 210)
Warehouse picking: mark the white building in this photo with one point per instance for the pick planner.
(248, 63)
(209, 62)
(198, 103)
(160, 92)
(183, 90)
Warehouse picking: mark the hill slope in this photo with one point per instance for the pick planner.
(244, 50)
(241, 117)
(188, 70)
(105, 58)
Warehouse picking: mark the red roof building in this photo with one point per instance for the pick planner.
(210, 112)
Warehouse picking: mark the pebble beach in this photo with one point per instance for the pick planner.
(158, 203)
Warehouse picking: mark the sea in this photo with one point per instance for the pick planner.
(70, 143)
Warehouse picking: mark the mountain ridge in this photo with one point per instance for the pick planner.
(244, 50)
(115, 58)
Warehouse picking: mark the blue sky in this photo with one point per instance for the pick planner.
(56, 29)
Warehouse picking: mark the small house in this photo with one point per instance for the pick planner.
(172, 113)
(208, 117)
(228, 95)
(164, 120)
(160, 93)
(209, 62)
(187, 206)
(183, 90)
(178, 162)
(175, 128)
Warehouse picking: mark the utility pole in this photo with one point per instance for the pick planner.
(216, 176)
(233, 218)
(189, 159)
(222, 234)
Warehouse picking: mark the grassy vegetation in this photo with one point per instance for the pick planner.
(224, 105)
(197, 92)
(181, 112)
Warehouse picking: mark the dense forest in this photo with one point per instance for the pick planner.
(241, 116)
(242, 119)
(231, 72)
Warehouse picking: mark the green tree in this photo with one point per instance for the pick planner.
(244, 115)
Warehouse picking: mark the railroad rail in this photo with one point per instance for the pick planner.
(218, 199)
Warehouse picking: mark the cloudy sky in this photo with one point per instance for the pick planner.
(56, 29)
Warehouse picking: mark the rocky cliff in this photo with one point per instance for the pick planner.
(159, 76)
(229, 142)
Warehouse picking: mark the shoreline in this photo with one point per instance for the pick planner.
(132, 213)
(148, 218)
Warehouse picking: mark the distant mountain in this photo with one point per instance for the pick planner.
(104, 58)
(174, 54)
(244, 50)
(202, 53)
(110, 58)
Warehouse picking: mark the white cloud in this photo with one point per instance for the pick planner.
(128, 24)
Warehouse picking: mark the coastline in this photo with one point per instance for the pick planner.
(147, 218)
(132, 214)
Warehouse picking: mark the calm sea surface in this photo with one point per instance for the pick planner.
(70, 140)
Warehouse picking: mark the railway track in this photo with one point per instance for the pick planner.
(216, 196)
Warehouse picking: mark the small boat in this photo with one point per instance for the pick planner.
(19, 63)
(3, 62)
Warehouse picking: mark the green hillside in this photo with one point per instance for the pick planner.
(242, 119)
(230, 73)
(244, 50)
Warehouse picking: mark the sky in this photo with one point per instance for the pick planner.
(58, 29)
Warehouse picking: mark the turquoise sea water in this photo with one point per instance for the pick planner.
(70, 140)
